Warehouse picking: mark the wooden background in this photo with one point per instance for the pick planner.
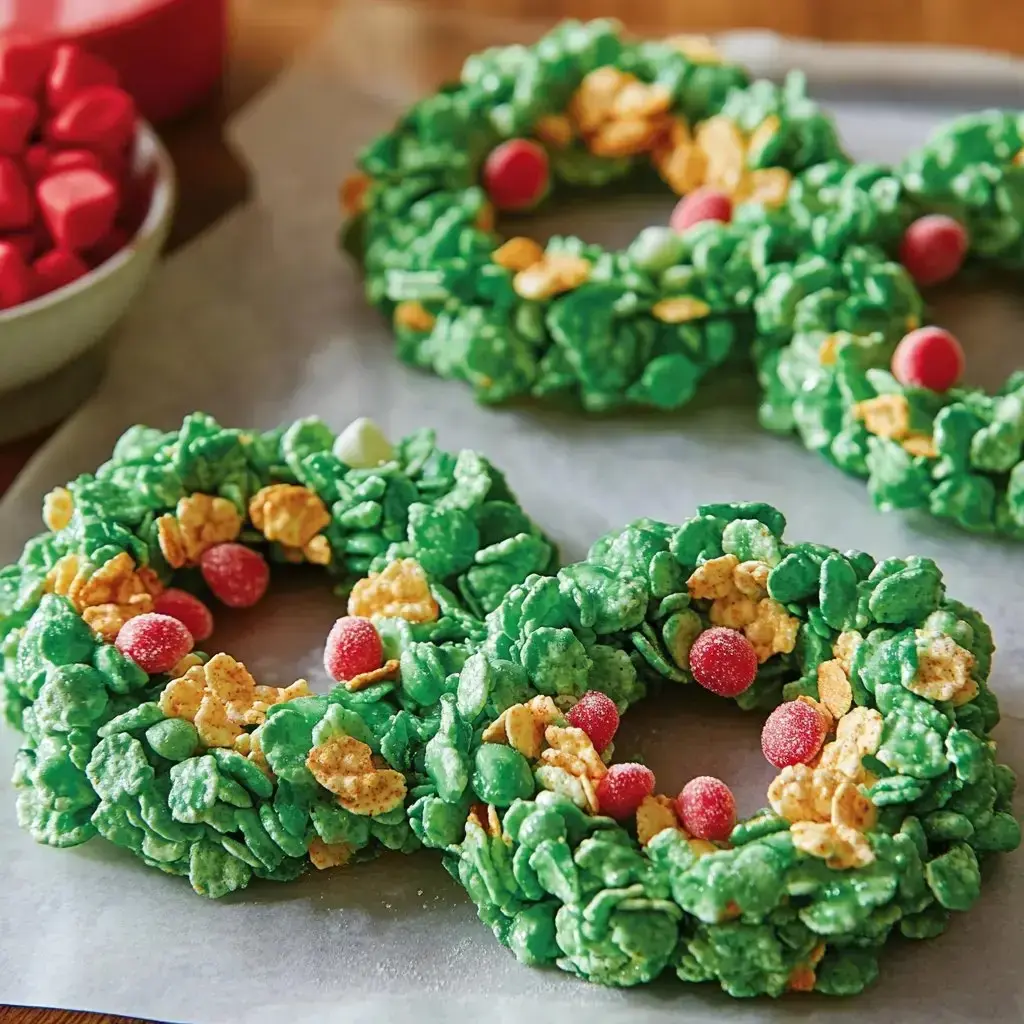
(267, 33)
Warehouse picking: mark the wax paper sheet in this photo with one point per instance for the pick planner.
(261, 321)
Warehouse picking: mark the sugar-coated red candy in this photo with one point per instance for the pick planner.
(16, 207)
(72, 71)
(516, 174)
(17, 283)
(188, 610)
(101, 117)
(156, 643)
(707, 808)
(18, 115)
(596, 714)
(79, 207)
(23, 65)
(793, 734)
(237, 575)
(623, 789)
(55, 269)
(353, 647)
(933, 248)
(929, 357)
(701, 204)
(723, 661)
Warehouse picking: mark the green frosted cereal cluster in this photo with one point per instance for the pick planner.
(807, 280)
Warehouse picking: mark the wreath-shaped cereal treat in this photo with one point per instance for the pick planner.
(782, 247)
(477, 694)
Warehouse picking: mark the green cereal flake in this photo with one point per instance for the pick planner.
(751, 540)
(142, 716)
(532, 934)
(555, 661)
(118, 768)
(214, 872)
(173, 738)
(954, 877)
(73, 696)
(501, 775)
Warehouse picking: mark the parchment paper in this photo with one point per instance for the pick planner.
(260, 322)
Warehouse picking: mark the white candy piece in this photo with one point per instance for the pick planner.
(362, 445)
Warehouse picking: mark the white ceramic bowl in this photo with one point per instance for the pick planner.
(39, 337)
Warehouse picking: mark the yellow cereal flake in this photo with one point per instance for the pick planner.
(698, 49)
(579, 789)
(414, 316)
(344, 765)
(844, 756)
(592, 103)
(181, 697)
(834, 688)
(554, 130)
(518, 253)
(862, 727)
(655, 814)
(1018, 160)
(723, 144)
(318, 551)
(328, 855)
(850, 807)
(213, 723)
(400, 590)
(713, 579)
(556, 273)
(920, 445)
(682, 167)
(943, 670)
(828, 350)
(484, 817)
(352, 194)
(751, 579)
(289, 514)
(885, 416)
(522, 726)
(702, 847)
(571, 749)
(773, 631)
(764, 133)
(733, 611)
(802, 793)
(627, 137)
(680, 309)
(189, 661)
(640, 100)
(845, 648)
(199, 522)
(768, 186)
(387, 671)
(801, 979)
(840, 847)
(58, 507)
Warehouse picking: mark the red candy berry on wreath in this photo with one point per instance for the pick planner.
(929, 357)
(623, 789)
(596, 714)
(156, 643)
(515, 175)
(188, 610)
(237, 575)
(793, 734)
(933, 248)
(353, 647)
(723, 661)
(707, 808)
(700, 205)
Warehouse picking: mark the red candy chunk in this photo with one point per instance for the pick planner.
(54, 270)
(623, 789)
(353, 647)
(18, 116)
(73, 160)
(23, 65)
(237, 575)
(25, 242)
(156, 643)
(72, 71)
(793, 734)
(101, 117)
(515, 175)
(933, 248)
(707, 808)
(17, 283)
(928, 358)
(15, 197)
(700, 205)
(79, 207)
(37, 162)
(188, 610)
(110, 246)
(596, 714)
(723, 661)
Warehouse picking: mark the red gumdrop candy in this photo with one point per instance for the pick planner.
(515, 175)
(596, 714)
(933, 248)
(25, 242)
(17, 283)
(78, 206)
(54, 270)
(353, 647)
(23, 65)
(793, 733)
(101, 117)
(72, 71)
(110, 245)
(15, 198)
(929, 357)
(723, 661)
(74, 160)
(188, 610)
(36, 162)
(623, 789)
(237, 575)
(701, 204)
(18, 116)
(156, 643)
(707, 808)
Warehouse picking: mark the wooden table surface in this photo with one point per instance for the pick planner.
(267, 33)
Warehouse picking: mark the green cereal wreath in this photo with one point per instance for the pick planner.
(478, 688)
(782, 247)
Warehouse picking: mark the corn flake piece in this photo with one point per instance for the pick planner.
(579, 790)
(680, 309)
(764, 132)
(387, 671)
(844, 756)
(328, 855)
(722, 142)
(862, 727)
(352, 194)
(555, 130)
(655, 814)
(844, 649)
(698, 49)
(214, 725)
(181, 697)
(702, 847)
(885, 416)
(734, 611)
(556, 273)
(834, 688)
(199, 522)
(802, 793)
(229, 681)
(920, 445)
(801, 979)
(682, 167)
(751, 579)
(290, 514)
(943, 670)
(413, 315)
(713, 579)
(591, 105)
(318, 551)
(62, 575)
(840, 847)
(518, 253)
(344, 765)
(768, 186)
(58, 507)
(400, 590)
(638, 99)
(828, 350)
(773, 631)
(485, 817)
(850, 807)
(628, 137)
(522, 726)
(571, 748)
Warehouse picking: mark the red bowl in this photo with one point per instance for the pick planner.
(169, 53)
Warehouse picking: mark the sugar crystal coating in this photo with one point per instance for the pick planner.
(933, 248)
(237, 575)
(793, 734)
(353, 647)
(621, 791)
(596, 714)
(707, 808)
(929, 357)
(515, 174)
(187, 609)
(156, 643)
(723, 661)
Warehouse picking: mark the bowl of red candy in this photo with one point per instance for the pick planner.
(86, 200)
